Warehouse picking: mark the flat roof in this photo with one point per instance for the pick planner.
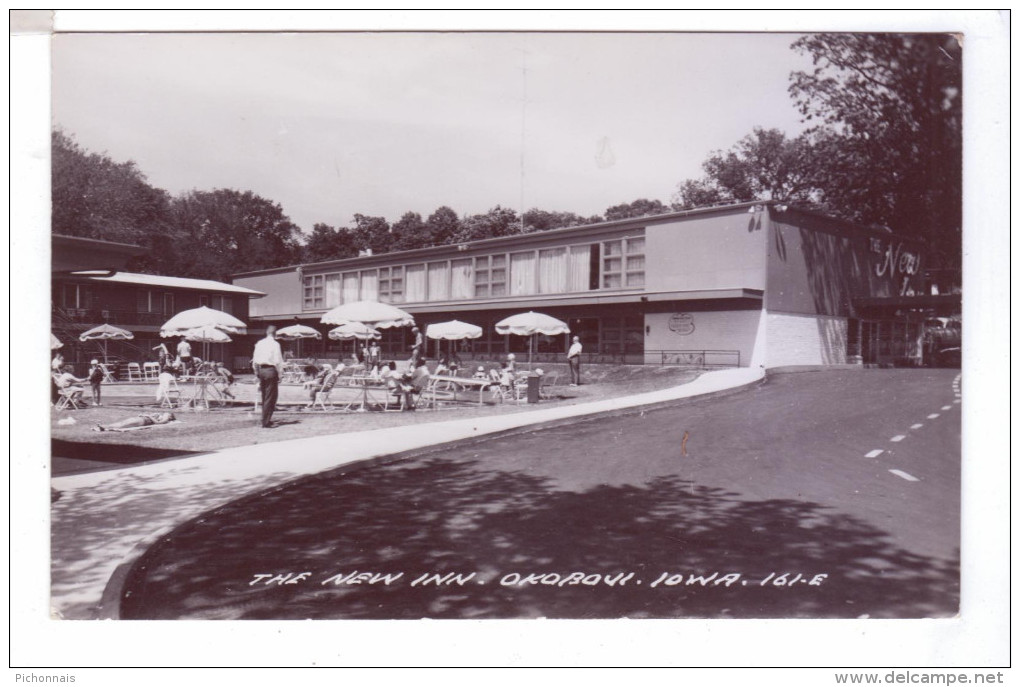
(547, 235)
(170, 282)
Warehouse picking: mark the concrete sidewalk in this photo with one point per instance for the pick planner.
(104, 520)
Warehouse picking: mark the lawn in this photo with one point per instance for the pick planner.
(77, 446)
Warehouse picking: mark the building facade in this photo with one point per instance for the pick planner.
(747, 284)
(89, 288)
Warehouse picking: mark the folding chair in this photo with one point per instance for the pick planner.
(150, 371)
(135, 372)
(548, 381)
(107, 375)
(70, 397)
(171, 396)
(322, 395)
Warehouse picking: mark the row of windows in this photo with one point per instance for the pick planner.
(613, 264)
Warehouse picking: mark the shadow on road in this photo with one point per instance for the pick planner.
(437, 515)
(124, 454)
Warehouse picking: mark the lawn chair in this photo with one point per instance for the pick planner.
(69, 397)
(150, 371)
(107, 375)
(169, 395)
(322, 395)
(135, 372)
(548, 381)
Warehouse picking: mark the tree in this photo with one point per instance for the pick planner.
(498, 221)
(763, 165)
(410, 232)
(226, 231)
(639, 208)
(96, 197)
(541, 220)
(372, 233)
(889, 136)
(327, 243)
(443, 226)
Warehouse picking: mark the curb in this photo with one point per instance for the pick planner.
(110, 601)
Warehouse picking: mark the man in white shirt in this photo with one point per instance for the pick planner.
(574, 358)
(184, 353)
(267, 361)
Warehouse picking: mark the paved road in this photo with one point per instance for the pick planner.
(847, 482)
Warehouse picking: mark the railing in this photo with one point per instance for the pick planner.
(81, 316)
(704, 358)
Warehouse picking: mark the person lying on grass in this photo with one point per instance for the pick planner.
(146, 420)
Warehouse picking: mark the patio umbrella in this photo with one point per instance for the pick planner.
(204, 316)
(354, 330)
(206, 335)
(454, 330)
(55, 343)
(372, 313)
(297, 332)
(530, 324)
(104, 333)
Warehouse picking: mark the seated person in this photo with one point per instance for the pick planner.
(453, 362)
(225, 378)
(139, 421)
(420, 376)
(70, 385)
(315, 385)
(511, 363)
(480, 373)
(443, 364)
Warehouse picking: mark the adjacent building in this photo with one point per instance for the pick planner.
(89, 288)
(750, 284)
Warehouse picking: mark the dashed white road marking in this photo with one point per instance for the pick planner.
(905, 475)
(874, 454)
(933, 416)
(947, 407)
(956, 401)
(898, 437)
(917, 426)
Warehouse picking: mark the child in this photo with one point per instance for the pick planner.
(96, 381)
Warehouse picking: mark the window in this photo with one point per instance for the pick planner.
(203, 300)
(461, 278)
(350, 287)
(622, 335)
(223, 303)
(334, 297)
(522, 273)
(439, 281)
(552, 270)
(147, 301)
(490, 276)
(580, 268)
(415, 282)
(76, 297)
(369, 285)
(168, 304)
(391, 284)
(623, 263)
(314, 292)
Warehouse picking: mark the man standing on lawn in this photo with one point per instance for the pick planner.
(267, 361)
(574, 358)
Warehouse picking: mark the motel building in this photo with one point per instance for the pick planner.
(90, 287)
(751, 284)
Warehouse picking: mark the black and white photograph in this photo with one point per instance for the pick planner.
(633, 328)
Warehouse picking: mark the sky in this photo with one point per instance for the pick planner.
(383, 123)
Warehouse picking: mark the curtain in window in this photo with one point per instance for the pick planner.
(370, 285)
(580, 268)
(350, 287)
(334, 296)
(522, 273)
(461, 279)
(552, 270)
(414, 283)
(439, 281)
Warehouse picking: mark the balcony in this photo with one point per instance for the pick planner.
(94, 316)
